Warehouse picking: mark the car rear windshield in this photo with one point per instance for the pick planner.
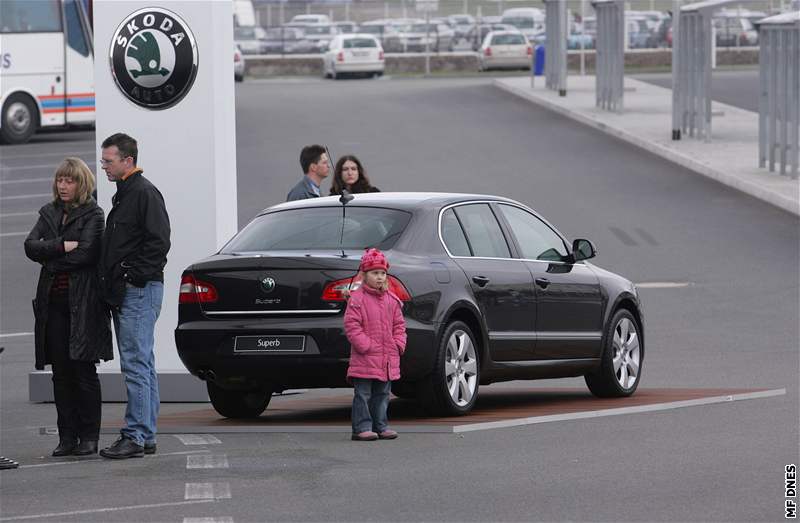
(357, 43)
(319, 228)
(508, 40)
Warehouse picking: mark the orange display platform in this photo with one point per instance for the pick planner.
(495, 408)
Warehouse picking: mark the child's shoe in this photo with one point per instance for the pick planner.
(367, 435)
(388, 434)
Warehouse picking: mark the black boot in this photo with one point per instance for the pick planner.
(85, 448)
(65, 448)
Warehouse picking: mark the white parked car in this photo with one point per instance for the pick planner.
(505, 50)
(353, 54)
(310, 19)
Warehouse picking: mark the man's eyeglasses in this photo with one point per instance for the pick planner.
(103, 161)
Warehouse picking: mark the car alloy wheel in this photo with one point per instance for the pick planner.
(452, 387)
(621, 364)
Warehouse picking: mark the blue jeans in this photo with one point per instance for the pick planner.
(134, 325)
(370, 401)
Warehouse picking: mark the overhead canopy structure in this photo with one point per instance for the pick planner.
(692, 48)
(610, 57)
(779, 99)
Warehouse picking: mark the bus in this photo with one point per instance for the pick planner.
(46, 67)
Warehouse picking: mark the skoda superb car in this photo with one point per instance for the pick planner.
(491, 292)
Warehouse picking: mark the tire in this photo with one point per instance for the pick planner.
(20, 119)
(333, 73)
(238, 403)
(621, 364)
(238, 78)
(452, 387)
(378, 74)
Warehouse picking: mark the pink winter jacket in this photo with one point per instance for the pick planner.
(376, 329)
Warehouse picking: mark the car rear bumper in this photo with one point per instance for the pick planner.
(506, 61)
(208, 345)
(360, 67)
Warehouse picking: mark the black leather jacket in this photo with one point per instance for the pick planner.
(90, 324)
(136, 239)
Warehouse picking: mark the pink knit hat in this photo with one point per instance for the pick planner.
(373, 259)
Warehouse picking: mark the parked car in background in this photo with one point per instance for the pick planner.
(478, 33)
(238, 64)
(733, 29)
(346, 27)
(386, 34)
(505, 50)
(320, 35)
(529, 20)
(662, 35)
(310, 19)
(461, 24)
(638, 32)
(353, 54)
(578, 38)
(491, 292)
(417, 37)
(284, 40)
(251, 40)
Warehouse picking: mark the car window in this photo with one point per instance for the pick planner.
(536, 240)
(320, 228)
(482, 230)
(359, 43)
(453, 235)
(242, 33)
(508, 40)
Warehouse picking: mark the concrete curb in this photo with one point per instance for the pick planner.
(753, 189)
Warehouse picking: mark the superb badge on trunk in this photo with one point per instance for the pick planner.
(153, 58)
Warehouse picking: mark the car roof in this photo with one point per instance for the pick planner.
(399, 200)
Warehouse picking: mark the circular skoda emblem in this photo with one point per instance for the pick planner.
(267, 284)
(153, 58)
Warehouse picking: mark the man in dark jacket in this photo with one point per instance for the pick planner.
(134, 253)
(316, 166)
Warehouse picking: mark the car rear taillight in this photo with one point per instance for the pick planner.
(340, 56)
(380, 55)
(530, 51)
(488, 51)
(237, 57)
(196, 291)
(339, 289)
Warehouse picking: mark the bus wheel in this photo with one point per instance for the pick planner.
(20, 119)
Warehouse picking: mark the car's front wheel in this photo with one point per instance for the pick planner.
(452, 387)
(238, 403)
(621, 364)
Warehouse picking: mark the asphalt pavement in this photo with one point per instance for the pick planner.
(731, 320)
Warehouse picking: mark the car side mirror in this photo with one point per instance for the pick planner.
(583, 250)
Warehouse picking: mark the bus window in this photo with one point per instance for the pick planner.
(75, 34)
(30, 16)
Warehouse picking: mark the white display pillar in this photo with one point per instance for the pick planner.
(187, 144)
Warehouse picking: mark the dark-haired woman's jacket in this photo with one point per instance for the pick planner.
(90, 325)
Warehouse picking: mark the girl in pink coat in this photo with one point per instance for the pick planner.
(376, 329)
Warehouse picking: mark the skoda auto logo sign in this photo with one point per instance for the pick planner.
(267, 284)
(153, 58)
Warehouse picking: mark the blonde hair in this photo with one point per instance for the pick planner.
(75, 169)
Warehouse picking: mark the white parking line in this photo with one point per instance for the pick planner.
(225, 519)
(5, 168)
(198, 439)
(207, 491)
(64, 154)
(101, 510)
(616, 412)
(15, 334)
(664, 284)
(207, 461)
(27, 180)
(102, 460)
(23, 196)
(9, 234)
(12, 214)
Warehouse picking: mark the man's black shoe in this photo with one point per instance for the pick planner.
(123, 448)
(65, 448)
(149, 448)
(85, 448)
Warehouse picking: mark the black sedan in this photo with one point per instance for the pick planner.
(491, 291)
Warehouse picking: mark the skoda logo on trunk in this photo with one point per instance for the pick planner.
(267, 284)
(153, 58)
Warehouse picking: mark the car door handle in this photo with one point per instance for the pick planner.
(542, 282)
(481, 281)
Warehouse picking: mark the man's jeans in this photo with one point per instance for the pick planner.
(134, 325)
(370, 401)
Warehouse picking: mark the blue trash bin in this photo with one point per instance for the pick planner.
(538, 64)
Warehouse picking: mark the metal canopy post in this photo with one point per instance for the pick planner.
(610, 54)
(691, 53)
(779, 93)
(556, 46)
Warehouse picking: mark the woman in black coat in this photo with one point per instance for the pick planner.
(349, 174)
(73, 329)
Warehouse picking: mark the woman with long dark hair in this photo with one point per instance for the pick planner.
(73, 328)
(350, 174)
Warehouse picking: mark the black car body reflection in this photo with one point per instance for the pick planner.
(491, 292)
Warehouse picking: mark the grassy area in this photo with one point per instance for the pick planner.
(363, 10)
